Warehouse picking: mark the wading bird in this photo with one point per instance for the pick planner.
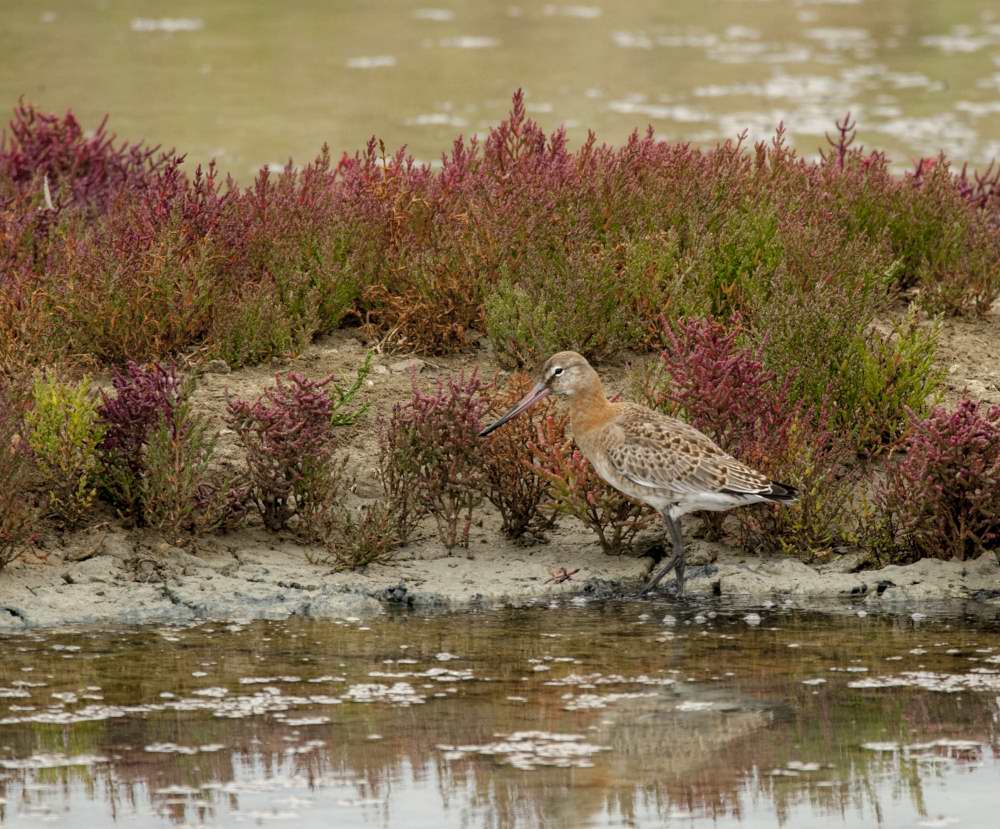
(648, 456)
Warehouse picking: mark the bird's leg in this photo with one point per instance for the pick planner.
(676, 563)
(675, 531)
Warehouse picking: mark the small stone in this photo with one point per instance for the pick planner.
(217, 367)
(414, 364)
(380, 369)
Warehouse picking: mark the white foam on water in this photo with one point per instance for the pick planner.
(371, 62)
(692, 705)
(661, 112)
(957, 43)
(54, 761)
(837, 37)
(526, 750)
(469, 42)
(580, 12)
(631, 40)
(435, 15)
(979, 680)
(592, 702)
(167, 24)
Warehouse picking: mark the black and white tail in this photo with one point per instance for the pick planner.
(781, 493)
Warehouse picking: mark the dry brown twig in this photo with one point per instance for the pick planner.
(558, 575)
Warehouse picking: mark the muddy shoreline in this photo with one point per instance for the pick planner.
(107, 574)
(127, 579)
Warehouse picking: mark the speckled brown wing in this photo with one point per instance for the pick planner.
(663, 453)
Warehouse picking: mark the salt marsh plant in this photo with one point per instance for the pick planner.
(431, 445)
(64, 431)
(288, 440)
(157, 455)
(179, 489)
(398, 472)
(354, 539)
(113, 252)
(143, 398)
(710, 376)
(512, 478)
(17, 513)
(576, 490)
(939, 496)
(517, 236)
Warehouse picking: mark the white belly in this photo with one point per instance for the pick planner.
(714, 501)
(677, 503)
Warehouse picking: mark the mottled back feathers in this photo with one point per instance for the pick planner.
(666, 455)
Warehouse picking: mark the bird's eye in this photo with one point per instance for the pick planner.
(557, 371)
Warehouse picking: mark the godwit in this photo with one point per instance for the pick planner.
(648, 456)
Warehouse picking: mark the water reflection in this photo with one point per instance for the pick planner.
(252, 86)
(565, 716)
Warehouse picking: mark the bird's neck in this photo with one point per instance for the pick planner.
(589, 409)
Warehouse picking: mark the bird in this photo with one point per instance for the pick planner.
(648, 456)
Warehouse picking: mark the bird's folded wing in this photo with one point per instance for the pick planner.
(673, 457)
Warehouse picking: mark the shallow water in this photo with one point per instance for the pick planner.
(633, 714)
(255, 84)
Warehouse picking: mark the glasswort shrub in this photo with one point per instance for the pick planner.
(940, 495)
(17, 513)
(578, 491)
(288, 437)
(513, 481)
(144, 397)
(64, 432)
(431, 444)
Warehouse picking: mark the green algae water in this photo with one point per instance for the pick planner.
(252, 84)
(564, 715)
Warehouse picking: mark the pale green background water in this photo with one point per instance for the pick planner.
(252, 83)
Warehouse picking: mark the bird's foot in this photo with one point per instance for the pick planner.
(676, 587)
(658, 577)
(702, 571)
(673, 588)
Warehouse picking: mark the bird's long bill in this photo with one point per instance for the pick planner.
(529, 400)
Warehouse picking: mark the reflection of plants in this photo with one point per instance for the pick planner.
(715, 773)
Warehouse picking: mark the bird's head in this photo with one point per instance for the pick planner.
(565, 374)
